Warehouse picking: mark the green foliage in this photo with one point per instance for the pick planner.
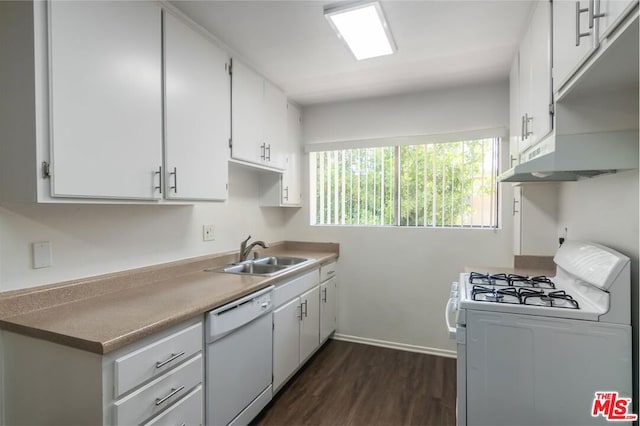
(437, 184)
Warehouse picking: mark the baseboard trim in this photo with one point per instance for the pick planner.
(394, 345)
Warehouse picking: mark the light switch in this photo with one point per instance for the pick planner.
(41, 254)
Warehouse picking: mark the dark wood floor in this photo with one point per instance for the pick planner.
(353, 384)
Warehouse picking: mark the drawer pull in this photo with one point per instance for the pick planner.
(331, 272)
(183, 424)
(167, 361)
(173, 392)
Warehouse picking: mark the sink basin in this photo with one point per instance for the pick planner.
(265, 266)
(277, 260)
(252, 268)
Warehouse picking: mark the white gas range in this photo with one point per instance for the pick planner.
(535, 350)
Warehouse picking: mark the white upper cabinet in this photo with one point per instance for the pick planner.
(197, 114)
(258, 118)
(573, 40)
(105, 99)
(274, 108)
(534, 85)
(516, 125)
(247, 91)
(291, 194)
(283, 190)
(611, 12)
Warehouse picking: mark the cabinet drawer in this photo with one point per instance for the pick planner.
(159, 394)
(327, 271)
(156, 358)
(294, 288)
(188, 411)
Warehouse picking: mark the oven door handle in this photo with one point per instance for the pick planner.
(450, 308)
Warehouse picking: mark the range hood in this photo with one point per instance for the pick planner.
(568, 157)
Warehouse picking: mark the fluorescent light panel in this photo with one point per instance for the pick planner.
(363, 28)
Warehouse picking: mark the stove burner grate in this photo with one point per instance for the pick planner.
(555, 299)
(511, 280)
(523, 296)
(501, 295)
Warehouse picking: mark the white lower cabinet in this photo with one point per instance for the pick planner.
(187, 411)
(155, 397)
(328, 308)
(309, 322)
(296, 325)
(286, 341)
(73, 386)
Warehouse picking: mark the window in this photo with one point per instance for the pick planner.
(431, 185)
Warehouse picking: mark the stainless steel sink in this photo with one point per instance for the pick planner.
(266, 266)
(280, 260)
(253, 268)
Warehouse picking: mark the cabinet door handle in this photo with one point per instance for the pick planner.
(268, 152)
(579, 34)
(159, 173)
(174, 173)
(522, 128)
(305, 309)
(263, 151)
(173, 392)
(513, 160)
(324, 295)
(173, 357)
(514, 207)
(286, 194)
(300, 314)
(593, 15)
(528, 120)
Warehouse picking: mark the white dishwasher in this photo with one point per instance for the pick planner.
(239, 359)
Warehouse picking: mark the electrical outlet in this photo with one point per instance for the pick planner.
(208, 233)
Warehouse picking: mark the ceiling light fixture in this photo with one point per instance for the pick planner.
(363, 28)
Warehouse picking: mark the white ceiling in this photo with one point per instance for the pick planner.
(440, 43)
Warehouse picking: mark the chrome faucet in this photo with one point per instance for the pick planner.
(246, 249)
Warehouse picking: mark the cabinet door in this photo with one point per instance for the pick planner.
(247, 91)
(310, 326)
(198, 114)
(274, 114)
(286, 341)
(328, 308)
(614, 11)
(524, 89)
(515, 114)
(517, 220)
(567, 57)
(292, 174)
(539, 74)
(106, 103)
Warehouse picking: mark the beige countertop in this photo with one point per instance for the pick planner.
(105, 313)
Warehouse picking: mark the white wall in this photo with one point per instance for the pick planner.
(394, 282)
(604, 209)
(90, 240)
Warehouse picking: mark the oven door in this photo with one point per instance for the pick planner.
(456, 327)
(461, 375)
